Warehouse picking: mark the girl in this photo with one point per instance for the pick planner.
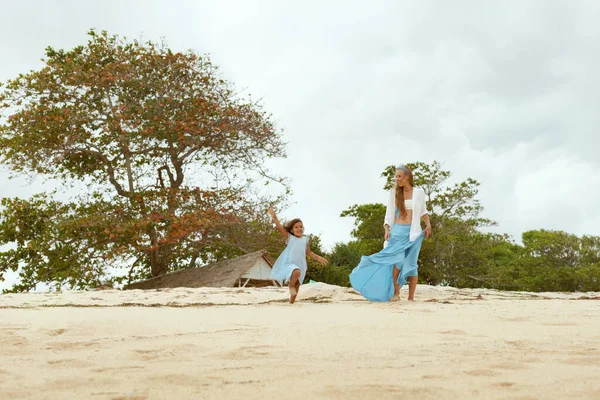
(378, 277)
(291, 264)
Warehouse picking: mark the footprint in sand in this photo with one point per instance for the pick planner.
(516, 319)
(585, 352)
(592, 360)
(384, 392)
(438, 301)
(56, 332)
(249, 352)
(503, 384)
(55, 362)
(147, 355)
(125, 367)
(13, 341)
(560, 324)
(453, 332)
(510, 366)
(517, 343)
(71, 345)
(175, 379)
(11, 330)
(481, 372)
(432, 377)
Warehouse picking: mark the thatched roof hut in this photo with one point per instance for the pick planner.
(252, 269)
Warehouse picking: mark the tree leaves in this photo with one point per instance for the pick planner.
(460, 255)
(153, 133)
(368, 221)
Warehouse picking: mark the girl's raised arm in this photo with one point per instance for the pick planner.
(280, 227)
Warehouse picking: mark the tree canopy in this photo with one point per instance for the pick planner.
(460, 254)
(172, 155)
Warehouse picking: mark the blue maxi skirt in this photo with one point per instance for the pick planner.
(373, 275)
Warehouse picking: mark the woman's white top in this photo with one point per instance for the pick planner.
(418, 207)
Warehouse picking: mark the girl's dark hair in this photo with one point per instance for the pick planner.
(288, 227)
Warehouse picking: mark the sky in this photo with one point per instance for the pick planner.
(507, 93)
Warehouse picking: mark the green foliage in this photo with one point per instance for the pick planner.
(460, 255)
(46, 248)
(368, 220)
(331, 274)
(444, 200)
(174, 161)
(316, 271)
(341, 262)
(559, 261)
(173, 157)
(347, 253)
(345, 256)
(556, 248)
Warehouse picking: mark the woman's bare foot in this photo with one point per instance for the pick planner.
(395, 297)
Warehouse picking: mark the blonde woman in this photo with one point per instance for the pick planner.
(379, 277)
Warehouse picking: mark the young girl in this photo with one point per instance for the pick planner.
(291, 264)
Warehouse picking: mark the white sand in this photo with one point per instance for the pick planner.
(249, 344)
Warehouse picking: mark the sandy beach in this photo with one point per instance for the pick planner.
(249, 343)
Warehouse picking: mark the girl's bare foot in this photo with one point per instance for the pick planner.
(293, 294)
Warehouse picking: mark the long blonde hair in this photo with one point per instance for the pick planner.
(400, 192)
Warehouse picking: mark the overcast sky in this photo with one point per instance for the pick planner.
(505, 92)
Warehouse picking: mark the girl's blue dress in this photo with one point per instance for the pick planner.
(293, 257)
(373, 275)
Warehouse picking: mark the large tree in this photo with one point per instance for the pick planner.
(171, 154)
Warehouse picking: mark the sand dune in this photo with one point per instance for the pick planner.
(249, 343)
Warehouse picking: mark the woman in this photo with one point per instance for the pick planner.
(378, 277)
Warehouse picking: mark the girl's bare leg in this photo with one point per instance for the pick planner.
(294, 285)
(297, 286)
